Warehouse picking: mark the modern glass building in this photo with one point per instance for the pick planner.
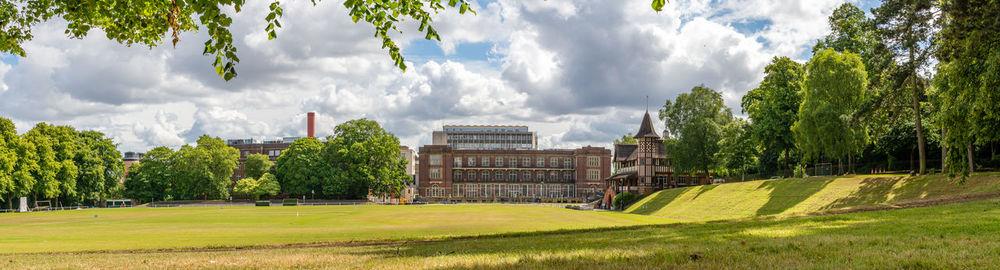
(472, 137)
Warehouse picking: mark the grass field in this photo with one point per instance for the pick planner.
(784, 197)
(681, 230)
(200, 227)
(953, 236)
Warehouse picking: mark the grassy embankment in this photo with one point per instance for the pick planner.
(789, 197)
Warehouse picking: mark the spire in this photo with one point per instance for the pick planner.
(646, 128)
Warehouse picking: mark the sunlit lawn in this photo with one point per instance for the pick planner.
(786, 197)
(954, 236)
(160, 228)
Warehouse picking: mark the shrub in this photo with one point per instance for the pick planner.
(800, 171)
(623, 200)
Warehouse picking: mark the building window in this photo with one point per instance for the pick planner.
(458, 175)
(472, 176)
(436, 173)
(593, 174)
(539, 176)
(472, 162)
(499, 161)
(435, 159)
(486, 176)
(499, 176)
(567, 163)
(458, 162)
(513, 177)
(513, 162)
(540, 162)
(486, 162)
(593, 161)
(553, 176)
(554, 162)
(526, 162)
(526, 176)
(568, 176)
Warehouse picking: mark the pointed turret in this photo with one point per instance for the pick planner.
(646, 129)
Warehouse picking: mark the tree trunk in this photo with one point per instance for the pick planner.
(972, 163)
(784, 172)
(944, 153)
(850, 163)
(840, 166)
(916, 116)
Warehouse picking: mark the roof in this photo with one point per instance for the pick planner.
(646, 128)
(623, 151)
(623, 175)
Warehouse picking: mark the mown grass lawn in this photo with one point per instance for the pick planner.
(785, 197)
(201, 227)
(953, 236)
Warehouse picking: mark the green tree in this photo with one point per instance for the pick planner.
(204, 171)
(626, 139)
(148, 23)
(364, 160)
(265, 185)
(299, 168)
(908, 27)
(100, 165)
(835, 91)
(736, 149)
(850, 31)
(8, 160)
(257, 165)
(152, 178)
(967, 80)
(56, 173)
(773, 107)
(697, 119)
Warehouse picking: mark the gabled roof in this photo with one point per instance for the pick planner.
(646, 128)
(623, 151)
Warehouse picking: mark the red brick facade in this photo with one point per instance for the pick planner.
(490, 174)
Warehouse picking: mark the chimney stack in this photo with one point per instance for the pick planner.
(312, 124)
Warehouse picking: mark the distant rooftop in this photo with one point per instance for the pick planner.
(484, 128)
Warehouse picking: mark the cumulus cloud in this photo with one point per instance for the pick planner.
(577, 72)
(162, 131)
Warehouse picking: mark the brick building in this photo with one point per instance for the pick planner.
(644, 167)
(271, 148)
(128, 159)
(246, 147)
(525, 175)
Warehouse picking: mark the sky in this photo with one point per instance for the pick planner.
(576, 72)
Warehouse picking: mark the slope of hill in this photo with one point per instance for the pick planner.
(784, 197)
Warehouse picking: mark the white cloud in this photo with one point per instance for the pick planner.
(576, 72)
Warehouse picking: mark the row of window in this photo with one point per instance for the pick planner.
(510, 176)
(510, 191)
(435, 173)
(271, 153)
(513, 162)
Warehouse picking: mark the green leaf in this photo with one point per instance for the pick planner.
(271, 35)
(658, 5)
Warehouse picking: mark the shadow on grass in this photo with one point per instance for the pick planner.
(873, 191)
(704, 188)
(786, 193)
(823, 240)
(657, 201)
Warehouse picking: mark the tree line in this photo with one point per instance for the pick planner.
(875, 89)
(58, 163)
(359, 159)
